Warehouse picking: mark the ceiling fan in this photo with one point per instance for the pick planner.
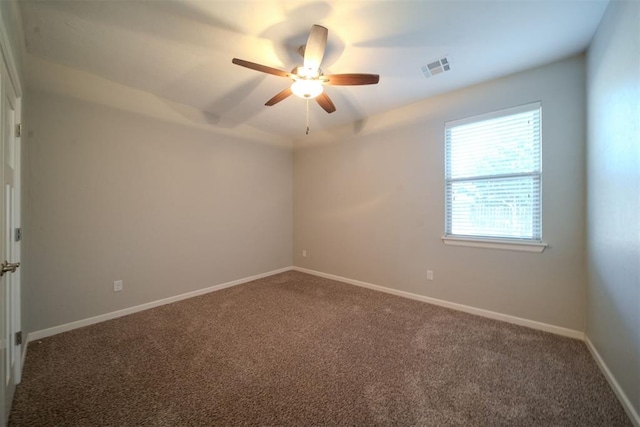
(308, 80)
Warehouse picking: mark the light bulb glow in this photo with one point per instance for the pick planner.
(307, 73)
(307, 89)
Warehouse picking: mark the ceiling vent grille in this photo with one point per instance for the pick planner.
(436, 67)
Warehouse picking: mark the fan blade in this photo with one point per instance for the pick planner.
(325, 102)
(352, 79)
(314, 49)
(261, 68)
(279, 97)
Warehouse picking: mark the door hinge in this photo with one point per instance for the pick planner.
(18, 130)
(18, 234)
(19, 338)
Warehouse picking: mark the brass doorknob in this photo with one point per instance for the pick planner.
(8, 267)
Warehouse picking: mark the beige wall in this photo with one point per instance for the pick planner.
(369, 202)
(613, 172)
(124, 186)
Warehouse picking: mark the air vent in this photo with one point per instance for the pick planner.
(436, 67)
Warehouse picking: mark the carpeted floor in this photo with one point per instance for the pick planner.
(295, 349)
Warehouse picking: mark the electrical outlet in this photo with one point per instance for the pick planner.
(429, 275)
(117, 286)
(304, 252)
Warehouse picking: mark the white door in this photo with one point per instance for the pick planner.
(10, 364)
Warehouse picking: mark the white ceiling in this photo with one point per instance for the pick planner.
(182, 50)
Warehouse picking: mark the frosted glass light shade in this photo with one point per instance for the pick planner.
(307, 89)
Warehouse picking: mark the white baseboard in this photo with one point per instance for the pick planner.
(23, 357)
(24, 351)
(626, 403)
(622, 397)
(455, 306)
(36, 335)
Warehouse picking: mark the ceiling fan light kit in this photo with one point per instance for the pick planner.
(308, 80)
(307, 89)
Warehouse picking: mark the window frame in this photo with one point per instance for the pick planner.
(504, 243)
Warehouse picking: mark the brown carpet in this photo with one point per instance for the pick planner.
(295, 349)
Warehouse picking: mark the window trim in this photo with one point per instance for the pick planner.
(495, 114)
(505, 244)
(514, 244)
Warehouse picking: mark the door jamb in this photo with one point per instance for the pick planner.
(8, 57)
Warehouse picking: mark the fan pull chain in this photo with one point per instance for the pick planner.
(307, 116)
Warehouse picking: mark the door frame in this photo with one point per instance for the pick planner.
(9, 68)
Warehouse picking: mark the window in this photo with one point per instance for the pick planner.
(493, 180)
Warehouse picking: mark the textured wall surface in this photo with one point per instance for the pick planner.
(369, 202)
(613, 176)
(119, 195)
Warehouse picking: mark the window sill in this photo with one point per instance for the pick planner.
(508, 245)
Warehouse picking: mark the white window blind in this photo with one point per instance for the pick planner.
(493, 175)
